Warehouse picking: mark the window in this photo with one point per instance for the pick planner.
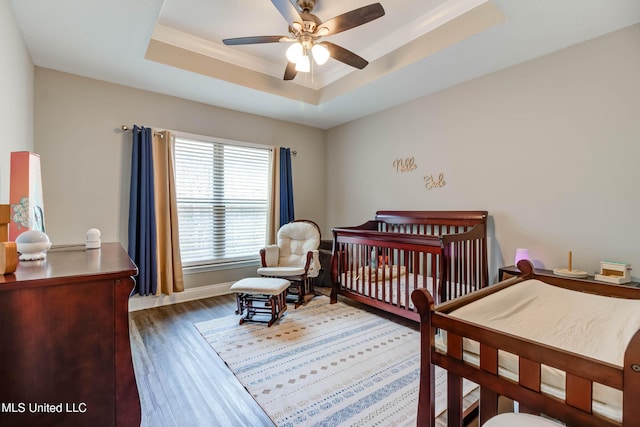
(222, 192)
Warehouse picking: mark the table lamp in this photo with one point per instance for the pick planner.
(521, 253)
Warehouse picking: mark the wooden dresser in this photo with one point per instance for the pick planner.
(65, 356)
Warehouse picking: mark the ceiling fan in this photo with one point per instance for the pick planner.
(306, 30)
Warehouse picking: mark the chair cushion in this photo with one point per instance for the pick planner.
(261, 285)
(295, 239)
(281, 271)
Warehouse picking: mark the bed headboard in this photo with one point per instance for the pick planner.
(430, 222)
(463, 234)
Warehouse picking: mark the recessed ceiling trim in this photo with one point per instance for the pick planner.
(178, 38)
(174, 37)
(447, 24)
(330, 72)
(189, 60)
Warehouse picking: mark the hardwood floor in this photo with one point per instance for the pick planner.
(181, 379)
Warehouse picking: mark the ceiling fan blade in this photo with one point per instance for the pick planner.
(287, 10)
(252, 40)
(290, 72)
(353, 19)
(343, 55)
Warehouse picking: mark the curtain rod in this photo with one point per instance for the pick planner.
(126, 128)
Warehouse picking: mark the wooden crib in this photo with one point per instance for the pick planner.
(380, 262)
(550, 374)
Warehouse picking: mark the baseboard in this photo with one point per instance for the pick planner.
(138, 302)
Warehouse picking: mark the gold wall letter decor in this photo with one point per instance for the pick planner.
(405, 165)
(431, 183)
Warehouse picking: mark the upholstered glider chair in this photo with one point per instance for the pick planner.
(295, 257)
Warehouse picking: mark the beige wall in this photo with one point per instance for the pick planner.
(551, 148)
(86, 157)
(16, 95)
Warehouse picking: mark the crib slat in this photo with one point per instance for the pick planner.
(407, 294)
(464, 265)
(453, 268)
(434, 279)
(454, 400)
(454, 383)
(489, 359)
(579, 392)
(529, 374)
(454, 345)
(473, 266)
(425, 276)
(464, 260)
(398, 285)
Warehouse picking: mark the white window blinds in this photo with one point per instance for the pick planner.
(222, 193)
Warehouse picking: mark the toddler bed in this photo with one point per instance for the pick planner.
(380, 262)
(565, 348)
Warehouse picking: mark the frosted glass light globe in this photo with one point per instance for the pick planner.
(294, 52)
(303, 65)
(320, 54)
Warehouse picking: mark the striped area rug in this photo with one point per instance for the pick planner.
(325, 365)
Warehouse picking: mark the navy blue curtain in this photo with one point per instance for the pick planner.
(286, 187)
(142, 216)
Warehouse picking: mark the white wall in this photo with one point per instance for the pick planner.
(86, 157)
(16, 96)
(551, 148)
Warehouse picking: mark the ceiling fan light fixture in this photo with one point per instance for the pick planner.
(320, 53)
(303, 65)
(295, 52)
(305, 29)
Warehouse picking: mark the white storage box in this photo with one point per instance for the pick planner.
(614, 272)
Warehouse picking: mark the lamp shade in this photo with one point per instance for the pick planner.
(320, 53)
(521, 253)
(294, 52)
